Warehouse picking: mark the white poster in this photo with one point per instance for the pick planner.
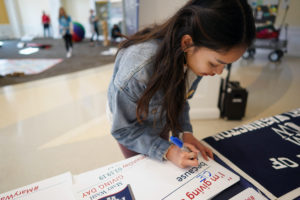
(248, 194)
(150, 179)
(58, 188)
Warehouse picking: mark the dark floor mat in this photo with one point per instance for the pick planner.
(84, 57)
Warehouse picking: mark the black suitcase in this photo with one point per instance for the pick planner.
(232, 99)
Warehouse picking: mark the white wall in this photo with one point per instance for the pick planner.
(53, 12)
(26, 15)
(293, 14)
(13, 28)
(31, 15)
(156, 11)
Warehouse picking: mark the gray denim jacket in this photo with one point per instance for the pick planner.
(132, 71)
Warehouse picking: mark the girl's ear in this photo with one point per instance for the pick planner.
(186, 42)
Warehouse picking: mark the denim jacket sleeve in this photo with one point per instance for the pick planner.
(142, 138)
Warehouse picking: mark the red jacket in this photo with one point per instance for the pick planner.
(45, 19)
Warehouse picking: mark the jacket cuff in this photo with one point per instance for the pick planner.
(187, 127)
(158, 151)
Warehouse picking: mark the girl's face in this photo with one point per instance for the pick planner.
(206, 62)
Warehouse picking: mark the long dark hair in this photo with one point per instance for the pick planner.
(215, 24)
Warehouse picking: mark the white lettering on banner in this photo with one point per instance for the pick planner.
(289, 131)
(294, 113)
(262, 123)
(250, 127)
(288, 162)
(283, 162)
(294, 126)
(227, 134)
(276, 164)
(282, 118)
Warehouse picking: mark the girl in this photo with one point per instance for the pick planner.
(158, 68)
(66, 30)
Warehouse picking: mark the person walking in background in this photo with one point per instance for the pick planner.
(66, 30)
(46, 24)
(93, 19)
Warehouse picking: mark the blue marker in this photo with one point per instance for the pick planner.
(179, 143)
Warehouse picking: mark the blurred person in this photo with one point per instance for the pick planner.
(46, 24)
(93, 19)
(115, 32)
(66, 30)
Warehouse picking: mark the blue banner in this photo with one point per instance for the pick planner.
(268, 150)
(125, 194)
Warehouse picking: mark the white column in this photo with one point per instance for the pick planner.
(14, 18)
(92, 5)
(54, 11)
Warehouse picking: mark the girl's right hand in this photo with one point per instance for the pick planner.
(182, 158)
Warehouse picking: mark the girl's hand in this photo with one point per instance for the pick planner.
(205, 151)
(182, 158)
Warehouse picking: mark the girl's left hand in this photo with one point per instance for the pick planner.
(205, 151)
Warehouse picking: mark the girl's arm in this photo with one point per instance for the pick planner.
(188, 134)
(142, 138)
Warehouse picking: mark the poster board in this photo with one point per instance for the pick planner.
(144, 175)
(58, 188)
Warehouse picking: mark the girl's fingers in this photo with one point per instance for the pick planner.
(190, 163)
(203, 153)
(210, 153)
(191, 147)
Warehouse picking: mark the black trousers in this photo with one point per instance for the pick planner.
(96, 31)
(46, 29)
(68, 41)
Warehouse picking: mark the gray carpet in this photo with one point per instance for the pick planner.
(84, 57)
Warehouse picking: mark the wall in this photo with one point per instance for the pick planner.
(156, 11)
(293, 14)
(25, 16)
(13, 29)
(31, 15)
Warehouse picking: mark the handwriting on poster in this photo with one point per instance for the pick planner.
(20, 193)
(191, 171)
(207, 180)
(103, 188)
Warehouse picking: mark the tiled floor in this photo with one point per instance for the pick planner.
(59, 124)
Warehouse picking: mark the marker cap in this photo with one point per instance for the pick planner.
(176, 141)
